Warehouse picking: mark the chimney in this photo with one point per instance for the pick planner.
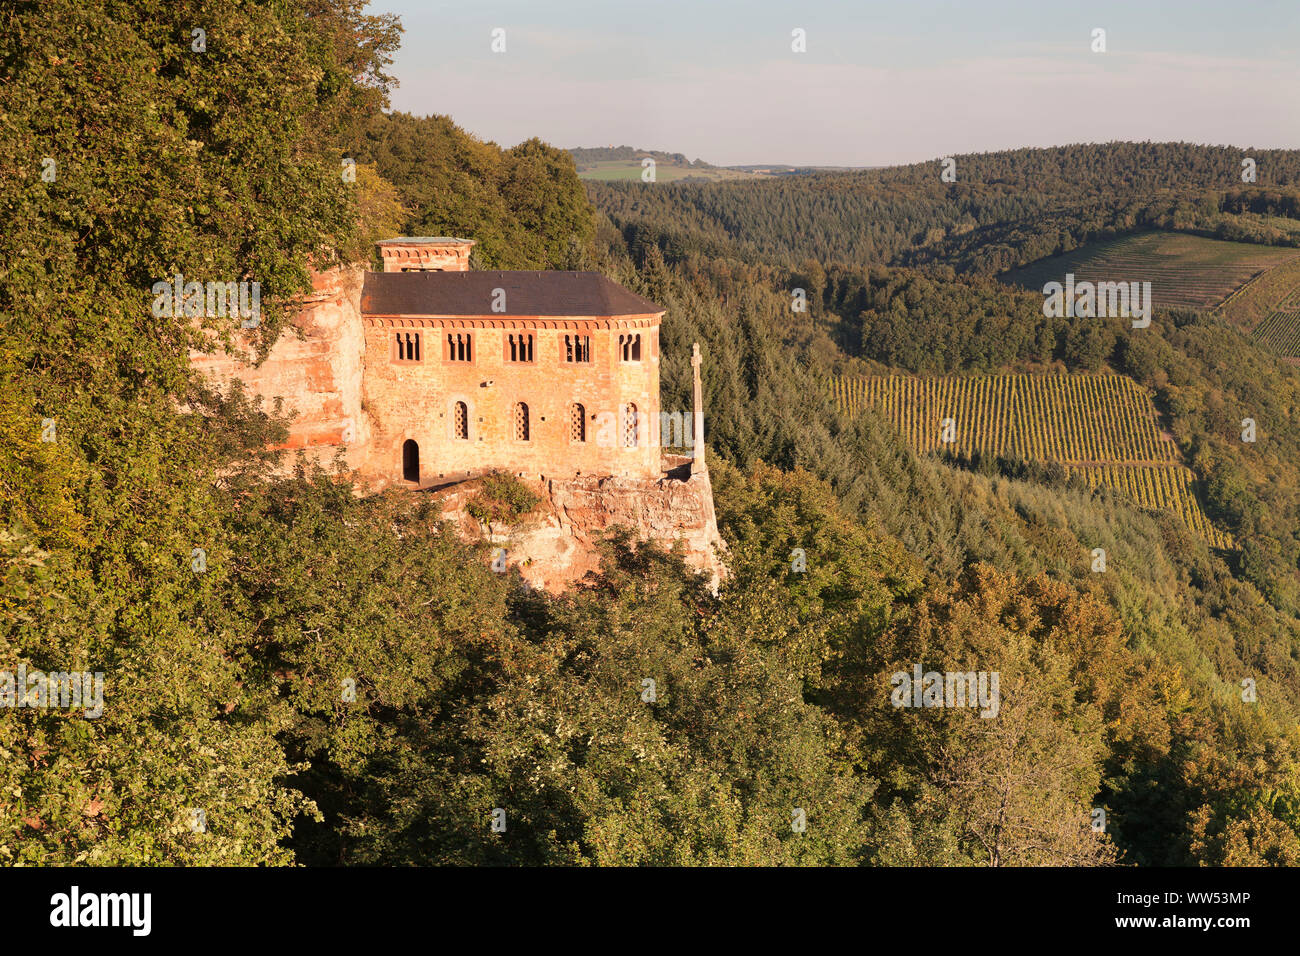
(425, 254)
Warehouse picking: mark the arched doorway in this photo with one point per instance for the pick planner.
(411, 460)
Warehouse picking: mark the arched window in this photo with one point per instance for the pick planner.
(519, 347)
(459, 347)
(629, 425)
(577, 348)
(407, 346)
(410, 460)
(521, 422)
(460, 421)
(577, 423)
(629, 346)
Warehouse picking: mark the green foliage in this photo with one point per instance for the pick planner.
(335, 679)
(553, 723)
(501, 497)
(524, 206)
(217, 165)
(380, 214)
(1015, 789)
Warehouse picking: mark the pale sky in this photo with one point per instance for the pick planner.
(880, 83)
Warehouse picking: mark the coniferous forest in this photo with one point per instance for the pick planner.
(1120, 691)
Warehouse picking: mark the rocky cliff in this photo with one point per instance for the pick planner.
(554, 545)
(317, 368)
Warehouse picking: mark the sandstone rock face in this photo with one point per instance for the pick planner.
(319, 375)
(555, 544)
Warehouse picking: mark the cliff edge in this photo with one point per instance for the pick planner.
(555, 543)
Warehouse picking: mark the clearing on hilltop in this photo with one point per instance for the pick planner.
(626, 164)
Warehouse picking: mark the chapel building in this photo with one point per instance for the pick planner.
(552, 374)
(428, 374)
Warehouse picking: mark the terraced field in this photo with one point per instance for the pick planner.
(1185, 272)
(1103, 427)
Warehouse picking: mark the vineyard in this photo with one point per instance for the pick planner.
(1102, 427)
(1281, 331)
(1185, 272)
(1269, 309)
(1074, 419)
(1158, 487)
(1275, 290)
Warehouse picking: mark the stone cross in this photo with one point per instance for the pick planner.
(697, 464)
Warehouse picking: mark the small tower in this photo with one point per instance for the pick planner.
(698, 466)
(425, 254)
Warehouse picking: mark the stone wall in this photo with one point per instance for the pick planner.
(416, 401)
(418, 253)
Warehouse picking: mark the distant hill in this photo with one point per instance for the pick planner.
(1004, 210)
(617, 163)
(625, 163)
(604, 154)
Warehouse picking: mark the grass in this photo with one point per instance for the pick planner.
(629, 170)
(1185, 271)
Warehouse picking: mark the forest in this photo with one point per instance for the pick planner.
(1004, 209)
(1121, 692)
